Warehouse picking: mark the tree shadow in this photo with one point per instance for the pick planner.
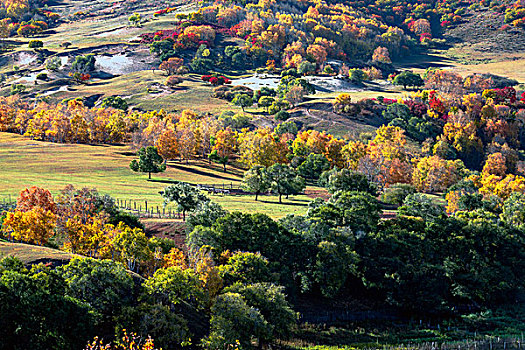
(189, 169)
(288, 202)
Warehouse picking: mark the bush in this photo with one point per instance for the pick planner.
(115, 102)
(53, 63)
(397, 193)
(84, 64)
(173, 80)
(35, 44)
(42, 76)
(282, 115)
(17, 89)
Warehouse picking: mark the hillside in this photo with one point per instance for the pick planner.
(262, 174)
(32, 255)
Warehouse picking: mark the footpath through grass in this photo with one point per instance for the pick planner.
(24, 162)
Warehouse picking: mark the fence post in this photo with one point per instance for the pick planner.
(146, 205)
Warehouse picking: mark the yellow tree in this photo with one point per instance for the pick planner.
(225, 145)
(35, 226)
(207, 128)
(433, 174)
(495, 165)
(261, 147)
(175, 257)
(352, 152)
(168, 145)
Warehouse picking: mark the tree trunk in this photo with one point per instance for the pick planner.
(184, 215)
(149, 175)
(224, 165)
(256, 195)
(280, 198)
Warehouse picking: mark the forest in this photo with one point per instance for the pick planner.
(374, 150)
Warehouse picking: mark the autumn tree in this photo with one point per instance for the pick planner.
(342, 102)
(149, 161)
(36, 197)
(35, 226)
(168, 145)
(262, 147)
(171, 65)
(224, 146)
(295, 95)
(382, 55)
(134, 19)
(433, 174)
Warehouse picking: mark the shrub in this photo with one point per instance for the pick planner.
(115, 102)
(17, 89)
(173, 80)
(42, 76)
(397, 193)
(53, 63)
(35, 44)
(282, 115)
(84, 64)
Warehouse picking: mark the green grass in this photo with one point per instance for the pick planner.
(25, 163)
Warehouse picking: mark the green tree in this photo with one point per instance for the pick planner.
(514, 210)
(243, 101)
(306, 68)
(333, 264)
(348, 180)
(132, 246)
(134, 19)
(313, 166)
(174, 286)
(397, 111)
(84, 64)
(205, 215)
(35, 44)
(284, 180)
(246, 268)
(418, 204)
(256, 180)
(271, 302)
(36, 312)
(357, 210)
(116, 102)
(168, 329)
(149, 161)
(408, 78)
(288, 127)
(265, 102)
(397, 193)
(233, 320)
(356, 75)
(186, 196)
(103, 284)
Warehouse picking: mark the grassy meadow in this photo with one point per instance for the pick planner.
(24, 162)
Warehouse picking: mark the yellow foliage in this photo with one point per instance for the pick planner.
(33, 226)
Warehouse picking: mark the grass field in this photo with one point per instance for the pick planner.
(24, 163)
(30, 254)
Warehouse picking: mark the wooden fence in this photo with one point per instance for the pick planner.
(145, 210)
